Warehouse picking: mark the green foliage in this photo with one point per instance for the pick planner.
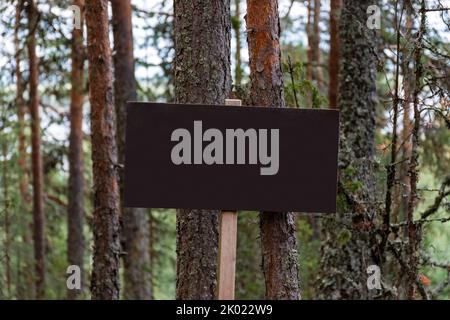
(249, 278)
(309, 254)
(162, 252)
(297, 86)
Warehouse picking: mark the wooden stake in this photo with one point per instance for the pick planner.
(227, 244)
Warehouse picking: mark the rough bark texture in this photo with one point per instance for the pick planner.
(134, 222)
(278, 240)
(347, 251)
(202, 75)
(75, 207)
(333, 63)
(105, 272)
(36, 158)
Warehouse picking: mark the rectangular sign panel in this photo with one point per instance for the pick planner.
(231, 158)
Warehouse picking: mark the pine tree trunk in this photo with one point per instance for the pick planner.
(278, 239)
(202, 75)
(134, 232)
(348, 250)
(316, 44)
(24, 290)
(75, 208)
(7, 220)
(21, 110)
(105, 272)
(333, 66)
(36, 158)
(309, 51)
(237, 32)
(407, 124)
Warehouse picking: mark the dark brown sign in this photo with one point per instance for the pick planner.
(223, 157)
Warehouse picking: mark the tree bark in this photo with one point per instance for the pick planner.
(333, 63)
(309, 51)
(349, 246)
(134, 232)
(407, 124)
(316, 45)
(105, 272)
(202, 31)
(7, 219)
(38, 212)
(24, 290)
(414, 230)
(75, 208)
(278, 239)
(21, 110)
(237, 31)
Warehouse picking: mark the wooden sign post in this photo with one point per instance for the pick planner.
(227, 245)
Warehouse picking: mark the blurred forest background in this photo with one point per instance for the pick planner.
(391, 85)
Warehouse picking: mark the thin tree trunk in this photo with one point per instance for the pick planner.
(7, 220)
(316, 49)
(26, 272)
(407, 124)
(21, 110)
(278, 239)
(202, 75)
(413, 229)
(105, 272)
(38, 212)
(75, 208)
(309, 52)
(333, 65)
(151, 250)
(134, 232)
(237, 31)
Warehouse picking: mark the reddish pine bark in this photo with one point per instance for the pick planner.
(135, 231)
(333, 63)
(105, 272)
(36, 158)
(75, 241)
(278, 240)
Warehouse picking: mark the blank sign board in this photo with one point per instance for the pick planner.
(234, 158)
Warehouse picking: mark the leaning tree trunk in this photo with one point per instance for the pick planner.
(75, 208)
(278, 239)
(347, 251)
(105, 272)
(36, 158)
(134, 231)
(202, 75)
